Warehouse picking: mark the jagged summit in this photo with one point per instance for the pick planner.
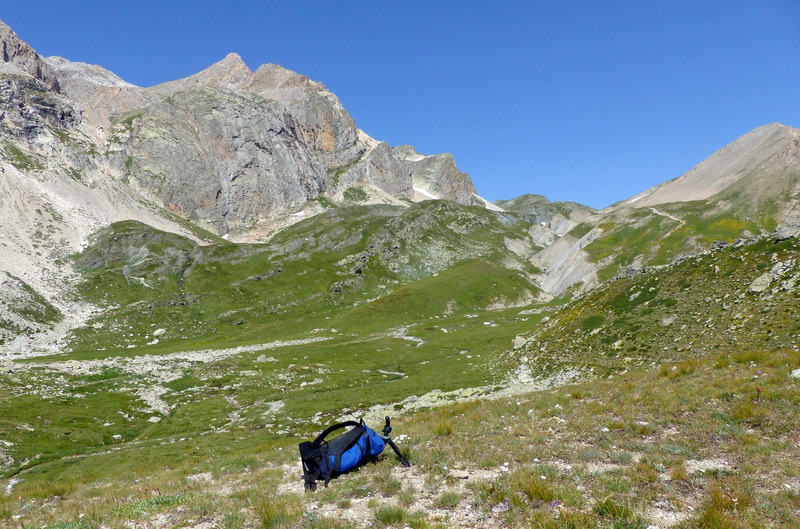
(230, 148)
(276, 82)
(230, 72)
(18, 57)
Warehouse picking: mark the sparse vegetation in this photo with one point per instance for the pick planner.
(355, 195)
(20, 159)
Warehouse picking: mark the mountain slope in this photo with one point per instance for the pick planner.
(750, 187)
(755, 162)
(675, 411)
(732, 297)
(272, 135)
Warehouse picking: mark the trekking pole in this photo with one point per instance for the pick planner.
(386, 431)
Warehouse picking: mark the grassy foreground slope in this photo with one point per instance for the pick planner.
(704, 443)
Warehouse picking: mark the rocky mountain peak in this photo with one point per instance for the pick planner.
(276, 82)
(765, 151)
(408, 153)
(17, 57)
(231, 72)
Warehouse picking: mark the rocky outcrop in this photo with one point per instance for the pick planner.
(436, 176)
(22, 310)
(79, 80)
(17, 57)
(28, 107)
(537, 209)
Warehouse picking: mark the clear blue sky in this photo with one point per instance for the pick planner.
(591, 101)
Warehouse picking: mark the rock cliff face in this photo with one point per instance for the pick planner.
(436, 175)
(231, 149)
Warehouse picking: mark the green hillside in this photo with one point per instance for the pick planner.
(692, 308)
(657, 236)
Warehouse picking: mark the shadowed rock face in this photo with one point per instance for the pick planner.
(27, 106)
(29, 91)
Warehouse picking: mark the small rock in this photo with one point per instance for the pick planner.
(159, 332)
(154, 419)
(458, 474)
(501, 507)
(796, 373)
(265, 358)
(718, 245)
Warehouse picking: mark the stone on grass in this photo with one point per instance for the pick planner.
(761, 283)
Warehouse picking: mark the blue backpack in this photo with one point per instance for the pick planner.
(324, 460)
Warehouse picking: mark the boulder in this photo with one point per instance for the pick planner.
(761, 283)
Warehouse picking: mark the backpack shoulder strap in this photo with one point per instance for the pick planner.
(327, 431)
